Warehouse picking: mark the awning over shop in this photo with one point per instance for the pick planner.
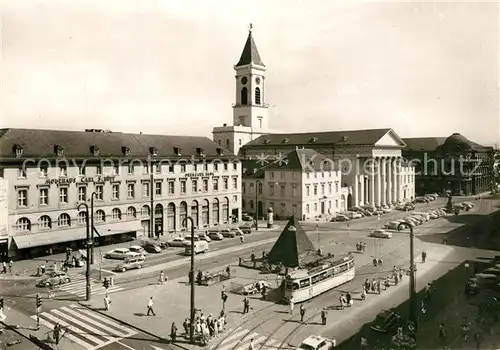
(73, 234)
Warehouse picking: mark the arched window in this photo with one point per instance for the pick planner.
(131, 212)
(64, 220)
(194, 212)
(116, 214)
(23, 224)
(225, 209)
(215, 211)
(145, 210)
(227, 143)
(257, 96)
(100, 216)
(204, 213)
(244, 96)
(82, 218)
(218, 141)
(44, 222)
(171, 217)
(183, 214)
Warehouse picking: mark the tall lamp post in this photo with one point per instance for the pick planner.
(89, 245)
(413, 280)
(191, 279)
(94, 194)
(257, 183)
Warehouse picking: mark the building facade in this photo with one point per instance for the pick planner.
(4, 219)
(305, 185)
(50, 173)
(370, 161)
(451, 163)
(250, 118)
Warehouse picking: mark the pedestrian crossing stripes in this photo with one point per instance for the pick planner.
(240, 340)
(86, 328)
(78, 286)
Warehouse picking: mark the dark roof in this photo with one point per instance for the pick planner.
(292, 245)
(345, 137)
(454, 142)
(302, 159)
(38, 143)
(423, 143)
(251, 168)
(250, 53)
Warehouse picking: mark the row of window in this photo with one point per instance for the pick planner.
(294, 189)
(64, 220)
(131, 169)
(22, 194)
(294, 206)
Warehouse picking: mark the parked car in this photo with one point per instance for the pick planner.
(366, 212)
(392, 225)
(246, 217)
(151, 247)
(227, 233)
(215, 235)
(176, 242)
(380, 234)
(118, 253)
(246, 228)
(421, 200)
(138, 249)
(386, 321)
(133, 262)
(340, 217)
(317, 342)
(54, 279)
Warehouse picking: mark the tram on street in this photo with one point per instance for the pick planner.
(305, 284)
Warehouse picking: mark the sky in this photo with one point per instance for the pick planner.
(166, 67)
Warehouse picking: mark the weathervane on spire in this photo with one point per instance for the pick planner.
(250, 27)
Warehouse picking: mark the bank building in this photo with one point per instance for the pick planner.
(275, 174)
(46, 174)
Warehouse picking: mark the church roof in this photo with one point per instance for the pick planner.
(292, 245)
(250, 53)
(455, 142)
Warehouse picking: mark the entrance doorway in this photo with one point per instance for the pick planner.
(322, 208)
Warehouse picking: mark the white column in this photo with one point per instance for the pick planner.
(355, 189)
(396, 181)
(389, 181)
(383, 179)
(361, 190)
(378, 175)
(372, 184)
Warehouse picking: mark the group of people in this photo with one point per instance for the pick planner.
(4, 267)
(204, 328)
(360, 247)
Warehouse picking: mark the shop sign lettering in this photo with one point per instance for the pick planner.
(84, 179)
(199, 174)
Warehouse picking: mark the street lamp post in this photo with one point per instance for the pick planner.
(413, 281)
(89, 245)
(94, 194)
(191, 272)
(257, 204)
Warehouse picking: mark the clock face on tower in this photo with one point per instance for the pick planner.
(244, 80)
(257, 80)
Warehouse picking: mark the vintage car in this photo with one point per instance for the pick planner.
(317, 342)
(118, 253)
(380, 234)
(386, 321)
(54, 279)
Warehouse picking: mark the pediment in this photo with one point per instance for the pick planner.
(390, 139)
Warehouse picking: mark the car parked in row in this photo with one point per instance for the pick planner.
(151, 247)
(340, 217)
(138, 249)
(118, 253)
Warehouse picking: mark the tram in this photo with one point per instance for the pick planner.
(305, 284)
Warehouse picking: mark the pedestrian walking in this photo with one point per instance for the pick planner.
(341, 301)
(378, 286)
(292, 304)
(401, 274)
(251, 346)
(424, 256)
(479, 339)
(364, 343)
(349, 299)
(442, 331)
(324, 315)
(302, 313)
(161, 280)
(51, 293)
(246, 305)
(380, 262)
(185, 325)
(150, 307)
(363, 293)
(107, 303)
(4, 267)
(173, 332)
(374, 285)
(11, 265)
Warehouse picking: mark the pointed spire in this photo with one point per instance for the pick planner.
(292, 245)
(250, 53)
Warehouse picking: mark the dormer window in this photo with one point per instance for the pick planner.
(220, 151)
(343, 139)
(153, 151)
(125, 151)
(200, 151)
(313, 139)
(286, 140)
(266, 141)
(94, 150)
(58, 150)
(18, 151)
(178, 151)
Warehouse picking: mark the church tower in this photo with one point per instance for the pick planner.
(250, 119)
